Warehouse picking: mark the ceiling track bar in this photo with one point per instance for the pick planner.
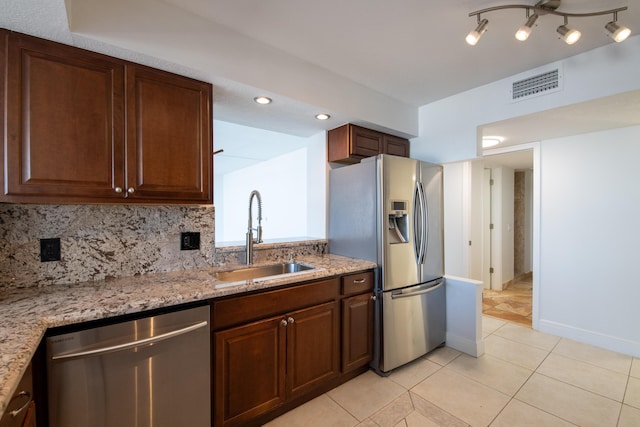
(546, 10)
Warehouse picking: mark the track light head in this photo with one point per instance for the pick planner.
(474, 36)
(569, 35)
(617, 32)
(523, 32)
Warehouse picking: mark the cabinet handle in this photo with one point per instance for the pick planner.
(118, 189)
(283, 322)
(359, 282)
(26, 394)
(373, 297)
(290, 320)
(131, 190)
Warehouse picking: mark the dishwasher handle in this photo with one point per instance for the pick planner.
(421, 291)
(132, 344)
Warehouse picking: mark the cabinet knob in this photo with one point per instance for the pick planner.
(131, 190)
(283, 322)
(290, 320)
(118, 189)
(373, 297)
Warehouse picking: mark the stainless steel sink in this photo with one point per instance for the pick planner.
(259, 271)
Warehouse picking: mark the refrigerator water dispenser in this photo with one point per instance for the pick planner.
(398, 222)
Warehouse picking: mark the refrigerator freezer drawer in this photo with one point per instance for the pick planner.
(413, 323)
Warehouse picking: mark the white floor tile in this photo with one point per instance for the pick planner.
(490, 325)
(519, 414)
(528, 336)
(468, 400)
(319, 412)
(584, 375)
(596, 356)
(435, 414)
(414, 419)
(512, 351)
(632, 396)
(394, 412)
(366, 394)
(443, 355)
(635, 368)
(414, 372)
(491, 371)
(568, 402)
(629, 417)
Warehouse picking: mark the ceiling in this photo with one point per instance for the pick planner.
(371, 62)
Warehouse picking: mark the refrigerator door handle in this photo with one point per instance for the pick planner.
(425, 224)
(420, 223)
(417, 223)
(421, 291)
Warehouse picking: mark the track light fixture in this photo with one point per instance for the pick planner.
(474, 36)
(616, 31)
(523, 32)
(569, 35)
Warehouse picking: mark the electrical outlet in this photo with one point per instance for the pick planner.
(189, 241)
(49, 250)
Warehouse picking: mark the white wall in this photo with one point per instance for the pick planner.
(292, 185)
(448, 133)
(589, 236)
(448, 128)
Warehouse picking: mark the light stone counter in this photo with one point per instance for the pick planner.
(25, 314)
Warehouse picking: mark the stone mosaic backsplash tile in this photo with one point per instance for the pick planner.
(99, 241)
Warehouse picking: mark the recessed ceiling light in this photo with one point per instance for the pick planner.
(262, 100)
(322, 116)
(491, 141)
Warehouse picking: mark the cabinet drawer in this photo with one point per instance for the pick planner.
(247, 308)
(357, 283)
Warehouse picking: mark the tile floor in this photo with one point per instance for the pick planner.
(526, 378)
(512, 304)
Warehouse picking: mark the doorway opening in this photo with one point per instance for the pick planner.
(508, 236)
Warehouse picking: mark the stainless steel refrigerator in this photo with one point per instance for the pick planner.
(388, 209)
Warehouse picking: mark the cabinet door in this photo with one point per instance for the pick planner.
(357, 331)
(168, 136)
(312, 347)
(365, 142)
(249, 370)
(64, 122)
(396, 146)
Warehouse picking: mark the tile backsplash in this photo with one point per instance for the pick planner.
(99, 241)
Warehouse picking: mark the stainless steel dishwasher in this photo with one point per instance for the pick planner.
(147, 372)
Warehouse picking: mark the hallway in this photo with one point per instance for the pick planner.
(512, 304)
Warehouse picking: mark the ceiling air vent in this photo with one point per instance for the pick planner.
(540, 84)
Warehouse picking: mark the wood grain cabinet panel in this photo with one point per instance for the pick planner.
(249, 371)
(168, 135)
(350, 144)
(357, 331)
(65, 139)
(65, 125)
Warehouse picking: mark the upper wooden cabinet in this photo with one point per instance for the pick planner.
(350, 144)
(168, 136)
(66, 114)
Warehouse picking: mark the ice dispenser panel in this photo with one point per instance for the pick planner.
(398, 230)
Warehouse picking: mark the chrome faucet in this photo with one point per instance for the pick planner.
(250, 239)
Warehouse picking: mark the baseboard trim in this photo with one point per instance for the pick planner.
(465, 345)
(597, 339)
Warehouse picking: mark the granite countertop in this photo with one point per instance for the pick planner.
(25, 314)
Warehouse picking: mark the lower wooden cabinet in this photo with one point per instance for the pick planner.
(260, 365)
(276, 349)
(21, 411)
(357, 331)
